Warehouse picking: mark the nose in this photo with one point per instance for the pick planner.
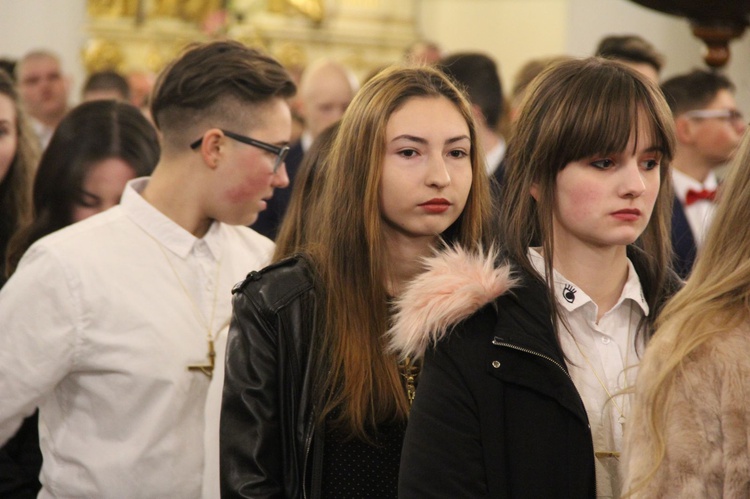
(280, 178)
(633, 185)
(437, 172)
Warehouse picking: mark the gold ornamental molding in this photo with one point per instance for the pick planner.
(144, 35)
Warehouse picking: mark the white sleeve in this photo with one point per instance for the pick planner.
(39, 311)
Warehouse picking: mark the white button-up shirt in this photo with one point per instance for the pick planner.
(601, 358)
(98, 331)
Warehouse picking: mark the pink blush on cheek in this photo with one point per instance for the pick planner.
(249, 188)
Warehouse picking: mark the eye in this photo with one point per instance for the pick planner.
(603, 164)
(458, 153)
(650, 164)
(89, 200)
(408, 153)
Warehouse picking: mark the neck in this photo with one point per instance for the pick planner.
(53, 120)
(600, 273)
(171, 191)
(404, 256)
(692, 165)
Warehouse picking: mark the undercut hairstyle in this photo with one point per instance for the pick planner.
(211, 85)
(694, 90)
(574, 110)
(107, 80)
(15, 187)
(90, 133)
(478, 76)
(360, 383)
(630, 48)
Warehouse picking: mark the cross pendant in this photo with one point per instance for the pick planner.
(208, 368)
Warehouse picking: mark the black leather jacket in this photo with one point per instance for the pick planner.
(267, 422)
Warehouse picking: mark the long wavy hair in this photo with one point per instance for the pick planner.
(715, 300)
(15, 187)
(360, 382)
(91, 132)
(573, 110)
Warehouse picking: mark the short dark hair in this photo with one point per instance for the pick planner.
(107, 80)
(477, 75)
(630, 48)
(208, 81)
(694, 90)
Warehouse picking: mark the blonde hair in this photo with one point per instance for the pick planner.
(576, 109)
(360, 382)
(715, 299)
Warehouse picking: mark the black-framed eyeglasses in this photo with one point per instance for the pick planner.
(280, 151)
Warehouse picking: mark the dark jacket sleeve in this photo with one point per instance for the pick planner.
(442, 454)
(250, 437)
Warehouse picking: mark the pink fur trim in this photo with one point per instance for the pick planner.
(455, 284)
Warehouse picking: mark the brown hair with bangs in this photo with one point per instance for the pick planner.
(360, 382)
(574, 110)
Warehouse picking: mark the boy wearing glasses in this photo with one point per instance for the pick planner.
(115, 327)
(708, 129)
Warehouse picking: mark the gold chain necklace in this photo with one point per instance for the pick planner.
(208, 367)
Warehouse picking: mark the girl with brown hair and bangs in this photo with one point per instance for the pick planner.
(314, 404)
(526, 365)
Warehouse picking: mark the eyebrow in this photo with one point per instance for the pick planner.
(421, 140)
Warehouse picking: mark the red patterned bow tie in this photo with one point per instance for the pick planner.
(693, 196)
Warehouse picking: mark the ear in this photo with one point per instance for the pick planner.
(534, 191)
(211, 147)
(684, 130)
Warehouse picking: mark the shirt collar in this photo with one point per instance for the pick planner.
(494, 156)
(570, 298)
(163, 229)
(682, 183)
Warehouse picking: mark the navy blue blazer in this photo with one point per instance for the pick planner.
(683, 241)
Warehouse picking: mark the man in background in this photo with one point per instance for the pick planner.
(326, 89)
(708, 128)
(43, 90)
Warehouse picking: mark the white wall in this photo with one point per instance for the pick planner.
(56, 25)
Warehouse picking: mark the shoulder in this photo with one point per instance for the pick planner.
(73, 242)
(277, 284)
(455, 284)
(249, 238)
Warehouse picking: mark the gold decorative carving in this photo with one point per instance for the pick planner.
(112, 8)
(101, 55)
(312, 9)
(188, 10)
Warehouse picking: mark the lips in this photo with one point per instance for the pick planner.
(436, 205)
(627, 214)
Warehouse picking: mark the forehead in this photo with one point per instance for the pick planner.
(39, 64)
(427, 114)
(724, 99)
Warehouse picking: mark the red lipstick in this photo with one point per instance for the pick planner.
(436, 205)
(627, 215)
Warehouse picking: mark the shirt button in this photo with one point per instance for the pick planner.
(606, 340)
(496, 364)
